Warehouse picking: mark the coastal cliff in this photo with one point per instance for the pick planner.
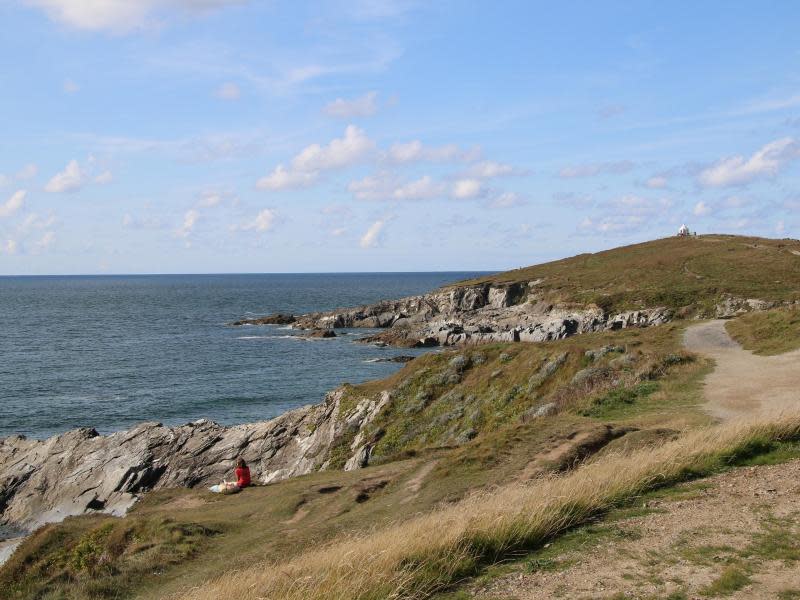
(82, 471)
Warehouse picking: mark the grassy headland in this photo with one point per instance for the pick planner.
(690, 274)
(481, 453)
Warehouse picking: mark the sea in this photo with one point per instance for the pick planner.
(112, 351)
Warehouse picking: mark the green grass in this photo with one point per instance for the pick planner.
(768, 333)
(689, 275)
(98, 557)
(731, 580)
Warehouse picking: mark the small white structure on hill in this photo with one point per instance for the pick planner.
(684, 231)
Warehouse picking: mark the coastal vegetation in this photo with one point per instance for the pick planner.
(487, 454)
(686, 274)
(769, 332)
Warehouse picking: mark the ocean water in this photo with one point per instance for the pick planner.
(112, 351)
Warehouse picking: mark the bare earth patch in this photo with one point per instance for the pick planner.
(732, 522)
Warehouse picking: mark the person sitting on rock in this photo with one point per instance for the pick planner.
(242, 473)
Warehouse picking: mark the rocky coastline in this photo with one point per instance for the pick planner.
(469, 315)
(81, 471)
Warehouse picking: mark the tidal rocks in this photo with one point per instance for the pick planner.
(320, 333)
(275, 319)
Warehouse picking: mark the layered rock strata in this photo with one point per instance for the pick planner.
(476, 314)
(82, 471)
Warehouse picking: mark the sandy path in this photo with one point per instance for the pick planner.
(742, 383)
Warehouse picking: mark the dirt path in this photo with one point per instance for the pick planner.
(744, 521)
(742, 383)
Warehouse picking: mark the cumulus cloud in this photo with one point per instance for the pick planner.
(104, 178)
(13, 204)
(228, 91)
(71, 179)
(363, 106)
(371, 237)
(261, 223)
(29, 171)
(701, 209)
(416, 151)
(739, 170)
(10, 246)
(118, 15)
(47, 240)
(189, 221)
(657, 182)
(467, 188)
(489, 169)
(307, 166)
(595, 169)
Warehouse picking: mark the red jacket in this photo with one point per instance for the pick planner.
(243, 477)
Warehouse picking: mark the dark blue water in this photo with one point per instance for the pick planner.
(110, 352)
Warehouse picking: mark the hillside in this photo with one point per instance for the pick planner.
(484, 452)
(640, 285)
(695, 272)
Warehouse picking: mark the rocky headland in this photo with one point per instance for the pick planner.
(82, 471)
(517, 312)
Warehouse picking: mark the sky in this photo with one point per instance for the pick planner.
(212, 136)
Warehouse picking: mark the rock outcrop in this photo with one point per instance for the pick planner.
(82, 471)
(474, 314)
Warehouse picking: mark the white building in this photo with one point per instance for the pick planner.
(684, 231)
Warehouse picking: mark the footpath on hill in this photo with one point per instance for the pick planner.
(735, 535)
(743, 384)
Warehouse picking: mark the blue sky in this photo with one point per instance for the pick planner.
(190, 136)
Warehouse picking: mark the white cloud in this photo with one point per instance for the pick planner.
(71, 179)
(594, 169)
(467, 188)
(738, 170)
(13, 204)
(657, 182)
(189, 221)
(10, 246)
(340, 152)
(104, 178)
(387, 187)
(47, 240)
(282, 179)
(70, 87)
(33, 221)
(228, 91)
(701, 209)
(780, 227)
(371, 238)
(306, 167)
(118, 15)
(415, 151)
(363, 106)
(262, 222)
(339, 231)
(209, 199)
(489, 169)
(29, 171)
(420, 189)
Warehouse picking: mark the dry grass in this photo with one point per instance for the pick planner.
(434, 550)
(768, 333)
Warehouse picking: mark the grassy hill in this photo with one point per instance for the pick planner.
(483, 453)
(692, 272)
